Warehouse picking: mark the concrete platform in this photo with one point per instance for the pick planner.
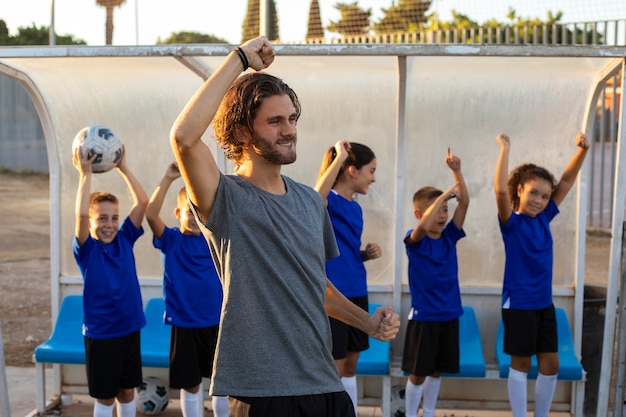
(21, 384)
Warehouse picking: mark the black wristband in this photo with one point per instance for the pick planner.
(242, 57)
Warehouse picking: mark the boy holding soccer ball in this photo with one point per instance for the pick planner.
(103, 249)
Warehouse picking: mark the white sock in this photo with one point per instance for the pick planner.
(349, 384)
(189, 403)
(128, 409)
(431, 392)
(412, 398)
(544, 391)
(102, 410)
(220, 406)
(517, 392)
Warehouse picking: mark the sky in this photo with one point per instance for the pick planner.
(142, 22)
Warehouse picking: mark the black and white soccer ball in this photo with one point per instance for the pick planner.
(101, 142)
(397, 401)
(152, 396)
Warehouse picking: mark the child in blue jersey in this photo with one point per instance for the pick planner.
(103, 249)
(193, 298)
(347, 169)
(527, 202)
(431, 344)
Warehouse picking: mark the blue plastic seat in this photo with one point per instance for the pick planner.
(66, 343)
(155, 336)
(471, 360)
(570, 368)
(375, 360)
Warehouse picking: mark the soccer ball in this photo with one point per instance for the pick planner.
(152, 396)
(397, 401)
(102, 142)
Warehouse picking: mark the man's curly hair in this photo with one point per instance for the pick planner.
(240, 105)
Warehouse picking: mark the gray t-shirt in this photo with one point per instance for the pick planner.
(270, 252)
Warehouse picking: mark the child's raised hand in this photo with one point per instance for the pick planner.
(504, 140)
(373, 251)
(453, 161)
(342, 149)
(81, 160)
(172, 171)
(581, 141)
(121, 166)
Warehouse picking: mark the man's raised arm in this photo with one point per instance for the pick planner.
(195, 161)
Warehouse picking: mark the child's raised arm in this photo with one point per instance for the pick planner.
(568, 178)
(454, 163)
(83, 165)
(156, 201)
(140, 198)
(430, 215)
(503, 200)
(330, 170)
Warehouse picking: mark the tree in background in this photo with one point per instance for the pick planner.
(251, 25)
(353, 21)
(4, 33)
(527, 28)
(315, 29)
(190, 37)
(109, 5)
(407, 16)
(33, 35)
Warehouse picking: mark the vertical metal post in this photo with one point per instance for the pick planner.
(5, 409)
(621, 340)
(52, 38)
(608, 340)
(263, 17)
(136, 22)
(400, 162)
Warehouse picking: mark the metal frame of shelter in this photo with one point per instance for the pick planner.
(40, 68)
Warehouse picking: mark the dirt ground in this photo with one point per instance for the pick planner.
(25, 264)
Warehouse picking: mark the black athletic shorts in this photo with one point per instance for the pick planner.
(191, 355)
(112, 364)
(430, 347)
(347, 338)
(528, 332)
(334, 404)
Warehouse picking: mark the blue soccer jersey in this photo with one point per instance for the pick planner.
(434, 276)
(529, 257)
(347, 271)
(192, 289)
(111, 293)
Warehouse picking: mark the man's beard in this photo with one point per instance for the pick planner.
(269, 151)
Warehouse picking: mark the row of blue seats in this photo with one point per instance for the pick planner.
(66, 343)
(472, 362)
(66, 346)
(375, 360)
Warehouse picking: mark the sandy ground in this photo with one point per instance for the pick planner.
(25, 273)
(24, 265)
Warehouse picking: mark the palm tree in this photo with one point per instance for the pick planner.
(109, 5)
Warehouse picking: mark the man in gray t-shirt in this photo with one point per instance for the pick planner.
(270, 238)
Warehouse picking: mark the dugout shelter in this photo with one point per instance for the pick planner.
(409, 103)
